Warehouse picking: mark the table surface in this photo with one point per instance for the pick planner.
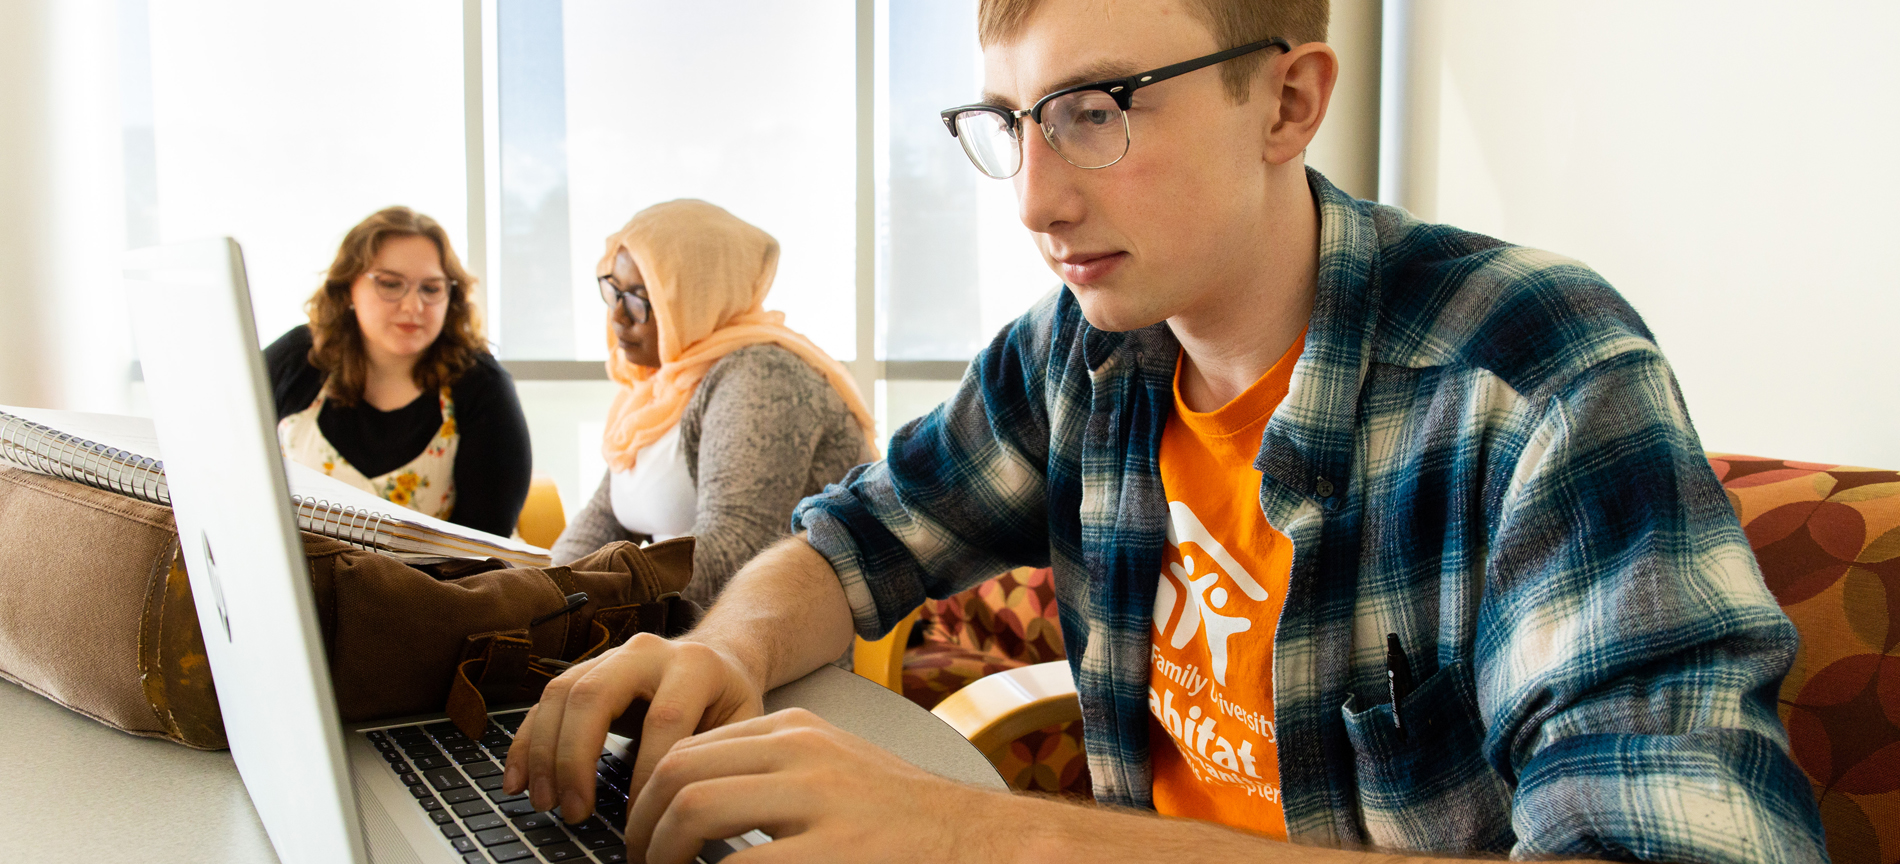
(79, 785)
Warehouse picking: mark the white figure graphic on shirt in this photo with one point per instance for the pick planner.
(1203, 597)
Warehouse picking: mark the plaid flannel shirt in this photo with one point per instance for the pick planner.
(1482, 451)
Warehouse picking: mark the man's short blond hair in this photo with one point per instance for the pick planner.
(1233, 22)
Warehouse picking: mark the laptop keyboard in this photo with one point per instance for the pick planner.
(457, 780)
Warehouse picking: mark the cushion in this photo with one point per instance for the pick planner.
(1828, 540)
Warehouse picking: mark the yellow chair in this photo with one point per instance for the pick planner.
(542, 517)
(883, 661)
(998, 709)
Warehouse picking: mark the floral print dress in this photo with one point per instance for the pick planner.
(425, 484)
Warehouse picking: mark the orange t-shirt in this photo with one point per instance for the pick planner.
(1224, 579)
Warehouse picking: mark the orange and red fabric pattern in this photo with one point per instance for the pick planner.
(1828, 539)
(1007, 622)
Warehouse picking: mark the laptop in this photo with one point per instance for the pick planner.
(409, 790)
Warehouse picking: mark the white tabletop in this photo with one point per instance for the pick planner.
(75, 785)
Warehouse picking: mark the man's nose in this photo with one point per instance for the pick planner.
(1046, 193)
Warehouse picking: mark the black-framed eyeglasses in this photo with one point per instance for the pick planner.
(638, 307)
(1086, 124)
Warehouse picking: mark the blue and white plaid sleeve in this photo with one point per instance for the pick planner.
(959, 496)
(1629, 655)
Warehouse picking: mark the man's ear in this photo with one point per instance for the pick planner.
(1305, 89)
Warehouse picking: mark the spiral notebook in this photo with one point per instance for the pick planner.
(120, 454)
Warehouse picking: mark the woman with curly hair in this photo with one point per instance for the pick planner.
(391, 388)
(725, 417)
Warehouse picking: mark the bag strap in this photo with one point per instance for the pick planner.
(500, 666)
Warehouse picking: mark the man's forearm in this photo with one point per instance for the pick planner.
(1059, 831)
(782, 615)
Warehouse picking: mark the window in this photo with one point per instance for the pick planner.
(284, 126)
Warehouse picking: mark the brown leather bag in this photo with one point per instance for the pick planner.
(96, 613)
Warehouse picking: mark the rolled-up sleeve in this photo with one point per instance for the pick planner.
(959, 497)
(1629, 654)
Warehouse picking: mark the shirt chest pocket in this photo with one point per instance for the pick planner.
(1427, 786)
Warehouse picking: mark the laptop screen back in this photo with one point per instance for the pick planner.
(198, 346)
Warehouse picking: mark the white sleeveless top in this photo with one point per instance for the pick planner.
(657, 496)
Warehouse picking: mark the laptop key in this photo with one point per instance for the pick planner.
(431, 763)
(481, 769)
(471, 808)
(457, 796)
(429, 803)
(391, 756)
(420, 791)
(463, 844)
(460, 745)
(510, 852)
(484, 822)
(611, 855)
(453, 831)
(412, 779)
(510, 721)
(441, 728)
(442, 817)
(421, 750)
(519, 807)
(474, 858)
(500, 797)
(536, 821)
(496, 836)
(445, 778)
(563, 852)
(489, 784)
(546, 836)
(377, 735)
(469, 757)
(599, 839)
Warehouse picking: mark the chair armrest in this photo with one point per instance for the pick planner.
(998, 709)
(883, 661)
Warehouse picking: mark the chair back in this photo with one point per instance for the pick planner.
(1828, 540)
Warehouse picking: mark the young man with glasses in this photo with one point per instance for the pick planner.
(1366, 532)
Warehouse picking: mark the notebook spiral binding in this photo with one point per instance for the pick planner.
(82, 461)
(49, 451)
(360, 528)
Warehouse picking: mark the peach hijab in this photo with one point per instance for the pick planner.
(707, 273)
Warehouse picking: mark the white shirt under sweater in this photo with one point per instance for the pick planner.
(657, 496)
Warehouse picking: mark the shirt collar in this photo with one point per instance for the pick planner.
(1308, 445)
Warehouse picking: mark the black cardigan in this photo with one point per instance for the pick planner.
(492, 464)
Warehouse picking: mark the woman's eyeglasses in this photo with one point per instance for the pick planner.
(638, 307)
(392, 288)
(1086, 124)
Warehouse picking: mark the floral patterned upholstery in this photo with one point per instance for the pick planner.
(1007, 622)
(1828, 539)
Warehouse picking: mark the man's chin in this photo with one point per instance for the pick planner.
(1108, 310)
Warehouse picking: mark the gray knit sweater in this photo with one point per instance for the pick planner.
(763, 431)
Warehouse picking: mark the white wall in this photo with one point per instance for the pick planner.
(64, 339)
(284, 124)
(1346, 149)
(1730, 167)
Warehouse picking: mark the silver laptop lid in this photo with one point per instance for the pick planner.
(191, 313)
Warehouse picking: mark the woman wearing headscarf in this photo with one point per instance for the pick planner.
(725, 417)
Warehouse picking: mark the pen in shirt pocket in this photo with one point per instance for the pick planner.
(1398, 678)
